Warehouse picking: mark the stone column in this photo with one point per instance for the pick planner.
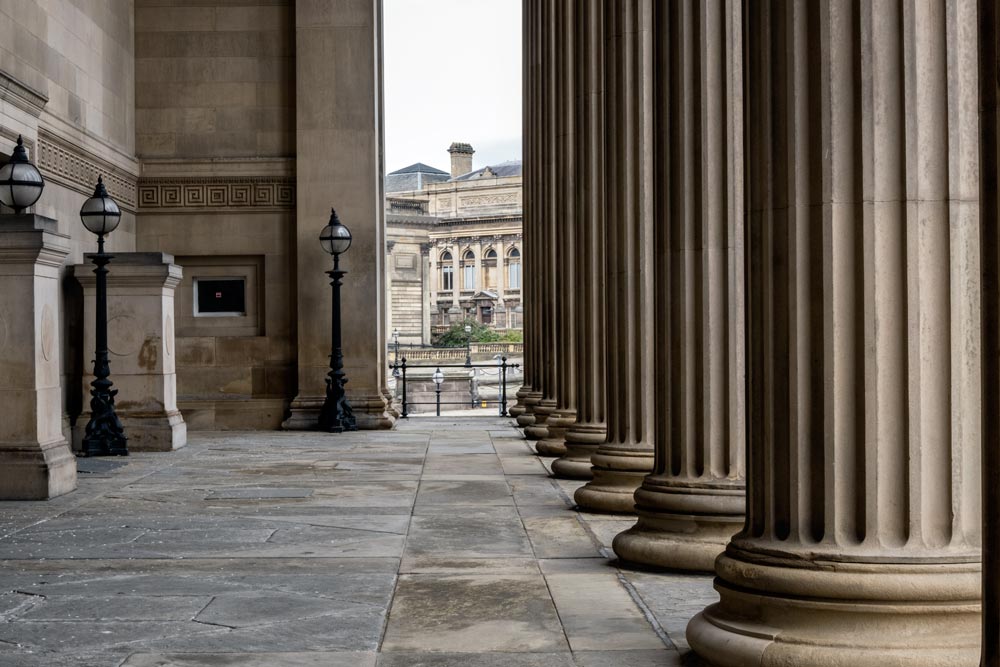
(627, 457)
(589, 431)
(427, 291)
(862, 540)
(989, 90)
(141, 347)
(338, 164)
(456, 280)
(529, 395)
(35, 460)
(563, 278)
(545, 211)
(694, 500)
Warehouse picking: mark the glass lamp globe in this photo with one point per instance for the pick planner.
(468, 328)
(438, 377)
(335, 237)
(100, 214)
(21, 183)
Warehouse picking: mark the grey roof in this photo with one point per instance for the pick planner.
(414, 177)
(502, 170)
(418, 167)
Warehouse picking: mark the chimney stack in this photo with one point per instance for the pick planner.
(461, 158)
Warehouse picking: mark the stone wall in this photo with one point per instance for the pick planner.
(215, 130)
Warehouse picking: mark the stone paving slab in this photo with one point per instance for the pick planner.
(444, 542)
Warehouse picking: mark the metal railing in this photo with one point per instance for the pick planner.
(400, 368)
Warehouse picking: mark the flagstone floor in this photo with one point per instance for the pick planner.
(441, 543)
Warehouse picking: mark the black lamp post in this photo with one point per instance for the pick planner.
(21, 183)
(468, 345)
(336, 415)
(395, 340)
(104, 435)
(438, 378)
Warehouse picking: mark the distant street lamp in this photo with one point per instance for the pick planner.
(21, 183)
(468, 345)
(438, 378)
(104, 435)
(336, 415)
(395, 365)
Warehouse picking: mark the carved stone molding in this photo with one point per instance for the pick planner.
(217, 193)
(21, 95)
(75, 167)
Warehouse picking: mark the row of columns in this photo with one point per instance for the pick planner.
(782, 379)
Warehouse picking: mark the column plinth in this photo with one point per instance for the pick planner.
(582, 441)
(554, 442)
(682, 525)
(810, 608)
(618, 470)
(531, 401)
(538, 428)
(519, 407)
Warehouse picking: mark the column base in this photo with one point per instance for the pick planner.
(163, 432)
(518, 408)
(539, 429)
(582, 441)
(786, 612)
(618, 472)
(554, 443)
(531, 400)
(683, 524)
(370, 412)
(36, 471)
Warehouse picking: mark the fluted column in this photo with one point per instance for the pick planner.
(589, 431)
(562, 252)
(529, 395)
(621, 463)
(545, 212)
(862, 537)
(989, 87)
(693, 502)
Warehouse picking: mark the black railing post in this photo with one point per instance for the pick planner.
(503, 386)
(406, 413)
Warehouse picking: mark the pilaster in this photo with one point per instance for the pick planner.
(35, 460)
(339, 165)
(862, 539)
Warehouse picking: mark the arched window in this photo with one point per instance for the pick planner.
(469, 270)
(514, 269)
(490, 269)
(447, 271)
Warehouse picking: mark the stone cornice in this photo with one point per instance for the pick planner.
(77, 168)
(21, 95)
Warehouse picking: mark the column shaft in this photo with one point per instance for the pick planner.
(562, 250)
(587, 290)
(989, 48)
(529, 394)
(861, 543)
(621, 463)
(693, 502)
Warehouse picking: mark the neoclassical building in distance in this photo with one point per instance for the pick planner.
(453, 246)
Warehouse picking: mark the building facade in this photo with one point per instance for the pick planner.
(454, 247)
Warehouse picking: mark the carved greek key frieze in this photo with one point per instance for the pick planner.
(490, 200)
(217, 192)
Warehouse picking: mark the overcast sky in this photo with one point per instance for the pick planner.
(452, 73)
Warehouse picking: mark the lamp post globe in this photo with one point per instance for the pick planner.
(336, 416)
(104, 435)
(21, 183)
